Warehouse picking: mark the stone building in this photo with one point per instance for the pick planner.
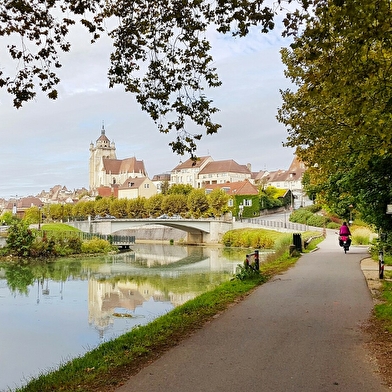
(105, 170)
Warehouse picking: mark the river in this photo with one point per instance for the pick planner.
(53, 312)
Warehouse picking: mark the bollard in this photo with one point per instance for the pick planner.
(381, 264)
(247, 263)
(257, 260)
(297, 241)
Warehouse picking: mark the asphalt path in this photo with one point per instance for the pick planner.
(299, 332)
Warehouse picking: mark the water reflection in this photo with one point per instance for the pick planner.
(51, 312)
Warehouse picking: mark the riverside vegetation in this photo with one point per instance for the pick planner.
(108, 365)
(54, 240)
(105, 367)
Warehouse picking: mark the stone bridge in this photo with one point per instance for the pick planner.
(200, 231)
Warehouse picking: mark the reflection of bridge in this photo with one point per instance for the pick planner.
(199, 231)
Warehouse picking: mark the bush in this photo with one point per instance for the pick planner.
(20, 239)
(313, 208)
(318, 221)
(75, 244)
(362, 236)
(43, 248)
(333, 225)
(301, 216)
(96, 245)
(247, 238)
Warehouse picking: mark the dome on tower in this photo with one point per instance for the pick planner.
(103, 140)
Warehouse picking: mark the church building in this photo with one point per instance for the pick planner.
(106, 171)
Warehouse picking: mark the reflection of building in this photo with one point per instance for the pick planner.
(106, 297)
(110, 291)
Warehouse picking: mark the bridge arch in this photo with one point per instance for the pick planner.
(198, 231)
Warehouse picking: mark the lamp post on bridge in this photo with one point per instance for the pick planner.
(39, 217)
(350, 222)
(241, 210)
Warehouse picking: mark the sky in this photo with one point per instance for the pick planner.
(46, 143)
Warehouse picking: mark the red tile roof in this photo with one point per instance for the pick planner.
(134, 183)
(235, 188)
(226, 166)
(128, 165)
(189, 163)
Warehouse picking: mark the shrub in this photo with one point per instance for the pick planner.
(300, 216)
(43, 247)
(75, 244)
(255, 238)
(333, 225)
(362, 236)
(96, 245)
(20, 239)
(313, 208)
(318, 221)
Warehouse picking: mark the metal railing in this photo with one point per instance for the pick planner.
(277, 224)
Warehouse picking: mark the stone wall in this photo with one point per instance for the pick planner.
(155, 233)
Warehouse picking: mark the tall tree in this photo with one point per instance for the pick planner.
(339, 115)
(217, 201)
(197, 202)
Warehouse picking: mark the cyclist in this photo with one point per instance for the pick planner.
(344, 231)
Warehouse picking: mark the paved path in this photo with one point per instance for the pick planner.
(299, 332)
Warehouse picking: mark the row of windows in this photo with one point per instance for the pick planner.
(246, 203)
(187, 171)
(236, 175)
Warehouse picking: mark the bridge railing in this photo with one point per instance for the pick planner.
(277, 224)
(112, 238)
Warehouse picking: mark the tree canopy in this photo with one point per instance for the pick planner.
(161, 51)
(339, 116)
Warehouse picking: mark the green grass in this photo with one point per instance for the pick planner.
(105, 367)
(107, 364)
(383, 311)
(58, 227)
(362, 236)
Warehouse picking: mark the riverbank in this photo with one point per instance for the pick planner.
(104, 368)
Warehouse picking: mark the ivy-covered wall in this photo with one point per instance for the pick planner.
(248, 211)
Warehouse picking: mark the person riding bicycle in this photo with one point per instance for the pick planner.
(344, 231)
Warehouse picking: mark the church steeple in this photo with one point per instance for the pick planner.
(103, 149)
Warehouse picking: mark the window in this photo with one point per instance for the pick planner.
(247, 203)
(146, 186)
(230, 203)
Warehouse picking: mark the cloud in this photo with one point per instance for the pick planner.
(47, 142)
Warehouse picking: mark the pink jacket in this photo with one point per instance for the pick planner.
(344, 230)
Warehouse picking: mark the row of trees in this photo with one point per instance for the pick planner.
(179, 199)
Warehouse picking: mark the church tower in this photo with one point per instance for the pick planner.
(103, 149)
